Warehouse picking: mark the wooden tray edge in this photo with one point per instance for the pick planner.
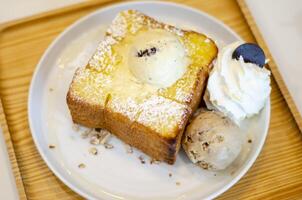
(272, 64)
(12, 155)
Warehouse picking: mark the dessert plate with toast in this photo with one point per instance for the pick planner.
(150, 100)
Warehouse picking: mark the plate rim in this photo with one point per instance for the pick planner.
(38, 67)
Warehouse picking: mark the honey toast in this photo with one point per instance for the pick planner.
(143, 83)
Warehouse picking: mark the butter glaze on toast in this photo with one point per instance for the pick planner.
(104, 94)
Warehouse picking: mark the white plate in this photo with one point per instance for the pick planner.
(114, 174)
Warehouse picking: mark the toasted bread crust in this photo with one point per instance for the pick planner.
(133, 133)
(85, 113)
(158, 146)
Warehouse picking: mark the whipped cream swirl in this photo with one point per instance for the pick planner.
(235, 88)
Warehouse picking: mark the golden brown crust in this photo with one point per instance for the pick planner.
(85, 113)
(163, 148)
(133, 133)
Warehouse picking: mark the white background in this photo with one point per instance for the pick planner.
(16, 9)
(8, 188)
(280, 23)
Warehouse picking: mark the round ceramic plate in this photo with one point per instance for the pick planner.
(114, 173)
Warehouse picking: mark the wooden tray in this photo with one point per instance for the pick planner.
(277, 172)
(284, 90)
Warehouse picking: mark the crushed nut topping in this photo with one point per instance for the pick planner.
(129, 149)
(75, 127)
(93, 151)
(154, 161)
(86, 133)
(204, 165)
(97, 136)
(205, 146)
(108, 146)
(142, 159)
(105, 136)
(94, 140)
(81, 165)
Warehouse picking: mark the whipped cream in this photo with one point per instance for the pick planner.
(235, 88)
(158, 58)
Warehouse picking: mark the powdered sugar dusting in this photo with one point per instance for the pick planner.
(182, 90)
(118, 27)
(126, 106)
(129, 21)
(163, 110)
(162, 115)
(126, 22)
(173, 29)
(104, 59)
(90, 85)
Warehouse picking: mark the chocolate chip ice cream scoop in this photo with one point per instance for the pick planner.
(212, 141)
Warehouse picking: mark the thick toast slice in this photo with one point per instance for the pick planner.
(106, 94)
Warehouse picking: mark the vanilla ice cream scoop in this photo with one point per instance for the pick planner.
(157, 57)
(212, 141)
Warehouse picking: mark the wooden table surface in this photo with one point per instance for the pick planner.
(277, 173)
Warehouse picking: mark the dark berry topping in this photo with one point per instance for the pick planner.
(146, 52)
(251, 53)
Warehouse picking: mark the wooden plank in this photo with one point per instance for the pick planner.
(273, 66)
(277, 172)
